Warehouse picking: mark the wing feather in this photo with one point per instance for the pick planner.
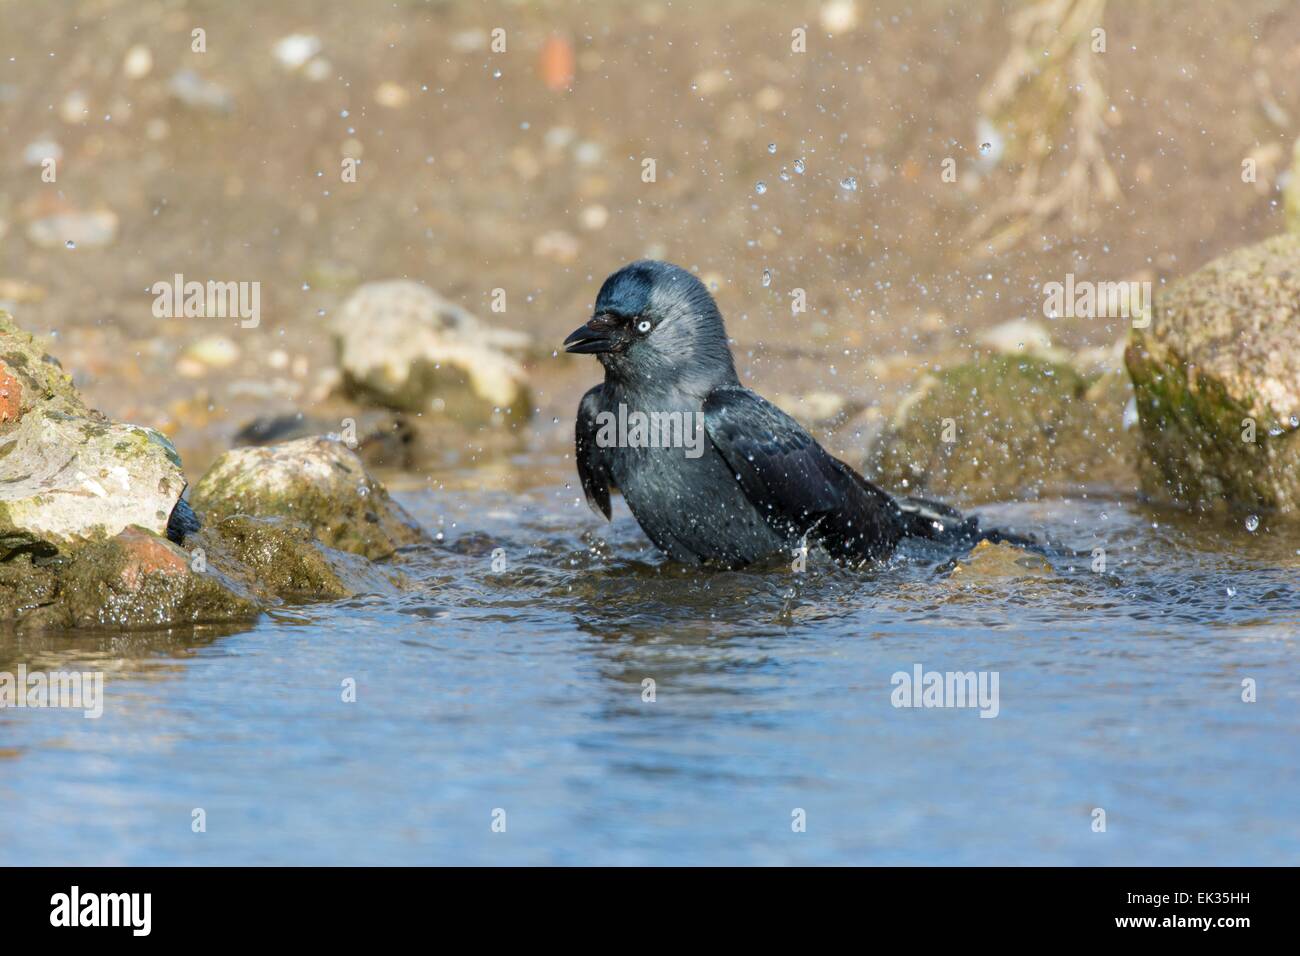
(593, 467)
(798, 487)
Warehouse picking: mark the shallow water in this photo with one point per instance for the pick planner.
(521, 689)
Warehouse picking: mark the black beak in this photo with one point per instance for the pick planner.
(598, 335)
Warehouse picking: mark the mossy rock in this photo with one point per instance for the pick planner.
(30, 376)
(1217, 382)
(285, 561)
(1001, 428)
(138, 579)
(316, 482)
(25, 587)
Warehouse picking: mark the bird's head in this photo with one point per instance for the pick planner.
(655, 324)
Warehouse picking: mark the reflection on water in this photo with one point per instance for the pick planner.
(521, 686)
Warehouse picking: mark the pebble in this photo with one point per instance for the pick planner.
(838, 16)
(200, 94)
(594, 217)
(138, 62)
(81, 230)
(74, 108)
(392, 95)
(214, 351)
(39, 151)
(557, 245)
(294, 50)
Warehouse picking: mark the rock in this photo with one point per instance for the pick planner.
(401, 345)
(381, 439)
(74, 230)
(294, 50)
(200, 94)
(317, 482)
(25, 588)
(287, 562)
(69, 474)
(815, 408)
(138, 579)
(557, 245)
(212, 351)
(1219, 366)
(1001, 428)
(138, 62)
(989, 562)
(392, 95)
(40, 376)
(70, 478)
(11, 397)
(38, 151)
(1023, 337)
(87, 504)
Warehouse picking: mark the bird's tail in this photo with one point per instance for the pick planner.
(936, 521)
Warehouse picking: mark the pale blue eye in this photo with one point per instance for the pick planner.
(643, 326)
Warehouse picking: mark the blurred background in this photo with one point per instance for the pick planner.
(522, 168)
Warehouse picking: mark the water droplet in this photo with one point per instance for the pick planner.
(849, 183)
(496, 74)
(767, 278)
(799, 166)
(785, 175)
(760, 187)
(70, 244)
(1252, 522)
(771, 148)
(363, 490)
(985, 148)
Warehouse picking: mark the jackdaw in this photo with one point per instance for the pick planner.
(712, 471)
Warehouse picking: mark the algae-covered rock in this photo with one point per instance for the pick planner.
(316, 482)
(30, 376)
(67, 473)
(140, 579)
(403, 346)
(1003, 427)
(285, 561)
(86, 505)
(1217, 381)
(25, 587)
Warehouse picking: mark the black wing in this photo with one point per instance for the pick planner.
(593, 469)
(796, 485)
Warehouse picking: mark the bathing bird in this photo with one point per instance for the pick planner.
(712, 471)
